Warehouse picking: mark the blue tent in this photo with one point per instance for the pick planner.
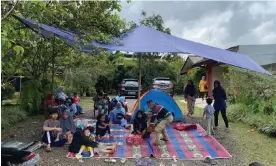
(159, 97)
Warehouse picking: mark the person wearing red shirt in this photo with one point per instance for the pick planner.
(49, 103)
(76, 106)
(76, 99)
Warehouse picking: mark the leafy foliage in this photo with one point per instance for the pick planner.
(7, 91)
(84, 71)
(26, 53)
(10, 115)
(260, 121)
(255, 99)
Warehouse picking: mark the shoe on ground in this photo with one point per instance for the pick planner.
(110, 160)
(227, 130)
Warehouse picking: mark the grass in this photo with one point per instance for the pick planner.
(86, 103)
(254, 146)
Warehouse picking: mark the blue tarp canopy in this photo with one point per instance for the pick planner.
(144, 39)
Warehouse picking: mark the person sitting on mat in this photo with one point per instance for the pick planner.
(52, 131)
(140, 124)
(68, 126)
(117, 116)
(77, 141)
(88, 143)
(164, 118)
(102, 126)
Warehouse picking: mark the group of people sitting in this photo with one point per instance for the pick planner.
(59, 132)
(63, 102)
(104, 104)
(64, 131)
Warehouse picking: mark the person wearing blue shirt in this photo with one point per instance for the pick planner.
(209, 114)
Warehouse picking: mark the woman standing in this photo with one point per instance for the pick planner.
(203, 89)
(190, 97)
(219, 96)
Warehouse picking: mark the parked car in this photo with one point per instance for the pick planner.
(164, 84)
(19, 153)
(129, 87)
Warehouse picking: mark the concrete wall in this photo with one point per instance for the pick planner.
(217, 74)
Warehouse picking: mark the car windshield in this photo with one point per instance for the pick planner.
(131, 82)
(162, 82)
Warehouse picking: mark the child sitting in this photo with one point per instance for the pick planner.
(209, 114)
(52, 131)
(88, 142)
(83, 140)
(76, 103)
(102, 126)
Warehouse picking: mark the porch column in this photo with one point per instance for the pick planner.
(209, 79)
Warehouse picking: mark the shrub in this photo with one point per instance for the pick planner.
(262, 122)
(7, 91)
(11, 115)
(33, 95)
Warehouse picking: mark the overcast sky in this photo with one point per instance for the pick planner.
(221, 24)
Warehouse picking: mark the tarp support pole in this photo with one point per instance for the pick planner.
(53, 64)
(139, 80)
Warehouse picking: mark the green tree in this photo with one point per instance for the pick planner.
(26, 53)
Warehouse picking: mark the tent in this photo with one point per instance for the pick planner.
(159, 97)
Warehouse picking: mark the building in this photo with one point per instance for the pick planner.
(265, 55)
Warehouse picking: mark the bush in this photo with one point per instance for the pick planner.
(7, 91)
(11, 115)
(33, 95)
(263, 123)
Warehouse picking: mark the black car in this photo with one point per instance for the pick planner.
(129, 87)
(164, 84)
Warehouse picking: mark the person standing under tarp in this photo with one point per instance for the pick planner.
(163, 117)
(190, 97)
(220, 98)
(203, 89)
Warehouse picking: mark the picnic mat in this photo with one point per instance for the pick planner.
(187, 145)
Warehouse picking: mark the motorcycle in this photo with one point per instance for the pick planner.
(19, 153)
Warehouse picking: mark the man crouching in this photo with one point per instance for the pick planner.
(163, 116)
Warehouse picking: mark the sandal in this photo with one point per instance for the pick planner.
(123, 160)
(47, 149)
(109, 160)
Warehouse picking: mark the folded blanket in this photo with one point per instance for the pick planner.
(185, 127)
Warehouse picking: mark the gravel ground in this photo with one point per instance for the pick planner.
(32, 130)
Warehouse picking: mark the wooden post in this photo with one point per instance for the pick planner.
(209, 79)
(53, 64)
(139, 80)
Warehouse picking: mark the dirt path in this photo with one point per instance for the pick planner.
(32, 130)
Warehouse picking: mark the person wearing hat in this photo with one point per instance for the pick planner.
(52, 131)
(163, 117)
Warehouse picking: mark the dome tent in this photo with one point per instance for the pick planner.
(161, 98)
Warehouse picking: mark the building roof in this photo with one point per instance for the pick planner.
(262, 54)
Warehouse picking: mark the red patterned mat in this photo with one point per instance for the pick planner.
(182, 144)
